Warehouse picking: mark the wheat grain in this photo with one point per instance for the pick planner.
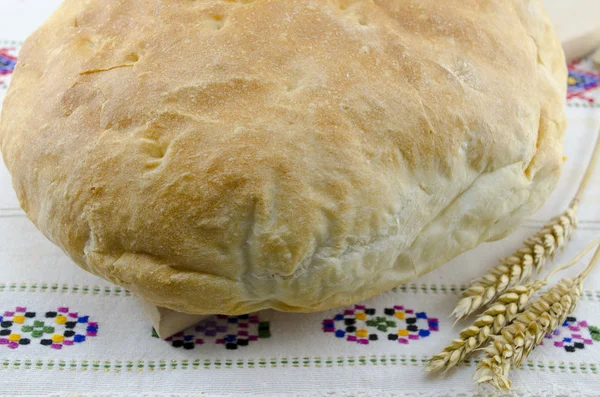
(519, 267)
(495, 367)
(527, 330)
(550, 319)
(516, 341)
(504, 310)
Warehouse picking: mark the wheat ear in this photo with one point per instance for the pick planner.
(528, 329)
(518, 339)
(491, 322)
(507, 306)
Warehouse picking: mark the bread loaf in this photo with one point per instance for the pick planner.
(220, 156)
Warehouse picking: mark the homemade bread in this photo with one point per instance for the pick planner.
(228, 156)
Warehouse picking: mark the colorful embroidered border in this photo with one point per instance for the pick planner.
(282, 362)
(362, 325)
(583, 81)
(56, 328)
(8, 61)
(574, 335)
(232, 332)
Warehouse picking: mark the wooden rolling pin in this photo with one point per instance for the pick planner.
(577, 23)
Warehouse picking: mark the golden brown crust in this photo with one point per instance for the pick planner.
(226, 156)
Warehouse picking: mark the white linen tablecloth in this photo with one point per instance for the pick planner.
(65, 331)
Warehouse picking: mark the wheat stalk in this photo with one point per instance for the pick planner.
(517, 341)
(503, 311)
(519, 267)
(490, 323)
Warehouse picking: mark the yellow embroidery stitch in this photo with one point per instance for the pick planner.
(399, 315)
(362, 333)
(56, 338)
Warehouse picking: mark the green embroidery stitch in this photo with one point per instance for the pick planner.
(381, 323)
(37, 333)
(264, 330)
(595, 332)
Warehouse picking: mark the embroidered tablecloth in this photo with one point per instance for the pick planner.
(65, 331)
